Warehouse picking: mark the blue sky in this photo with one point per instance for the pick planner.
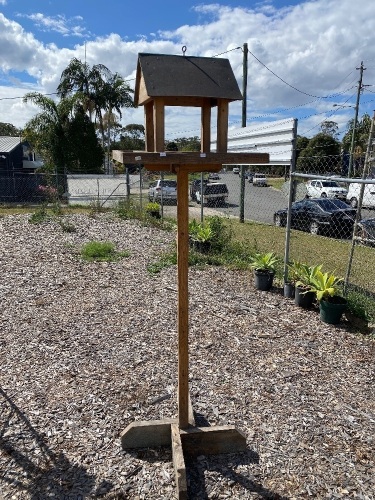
(303, 55)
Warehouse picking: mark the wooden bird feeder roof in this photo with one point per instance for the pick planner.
(184, 80)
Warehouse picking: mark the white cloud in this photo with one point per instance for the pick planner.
(59, 24)
(314, 47)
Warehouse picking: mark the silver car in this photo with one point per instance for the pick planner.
(163, 190)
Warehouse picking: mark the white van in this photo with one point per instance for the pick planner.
(368, 195)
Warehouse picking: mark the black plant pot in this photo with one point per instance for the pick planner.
(332, 310)
(201, 246)
(263, 279)
(302, 297)
(289, 290)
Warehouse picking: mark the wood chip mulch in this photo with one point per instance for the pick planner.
(89, 347)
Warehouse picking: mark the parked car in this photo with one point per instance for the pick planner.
(366, 231)
(213, 176)
(169, 193)
(319, 216)
(213, 194)
(368, 195)
(260, 180)
(195, 186)
(325, 189)
(236, 170)
(249, 176)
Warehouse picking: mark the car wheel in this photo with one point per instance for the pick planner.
(354, 202)
(314, 228)
(279, 221)
(323, 195)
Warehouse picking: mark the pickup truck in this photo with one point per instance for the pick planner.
(213, 194)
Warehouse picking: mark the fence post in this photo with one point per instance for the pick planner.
(359, 207)
(290, 200)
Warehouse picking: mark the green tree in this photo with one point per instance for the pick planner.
(132, 138)
(330, 128)
(301, 144)
(188, 143)
(62, 135)
(361, 134)
(322, 155)
(9, 130)
(100, 89)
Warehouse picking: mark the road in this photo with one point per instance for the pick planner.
(260, 202)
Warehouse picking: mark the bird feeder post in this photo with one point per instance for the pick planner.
(164, 80)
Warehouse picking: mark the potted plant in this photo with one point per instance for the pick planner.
(263, 265)
(200, 236)
(153, 209)
(326, 287)
(302, 275)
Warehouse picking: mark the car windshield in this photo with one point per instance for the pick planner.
(169, 184)
(329, 205)
(330, 184)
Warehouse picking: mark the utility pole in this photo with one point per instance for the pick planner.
(244, 111)
(244, 84)
(352, 145)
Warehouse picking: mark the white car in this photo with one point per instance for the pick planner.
(236, 170)
(260, 180)
(368, 200)
(325, 189)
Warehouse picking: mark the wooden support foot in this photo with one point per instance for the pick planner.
(150, 434)
(178, 463)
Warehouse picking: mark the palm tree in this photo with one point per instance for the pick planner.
(63, 134)
(101, 89)
(116, 95)
(47, 130)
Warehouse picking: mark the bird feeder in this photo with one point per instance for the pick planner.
(204, 82)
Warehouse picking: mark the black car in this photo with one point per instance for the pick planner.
(366, 231)
(319, 216)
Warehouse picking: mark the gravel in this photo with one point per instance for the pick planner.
(89, 347)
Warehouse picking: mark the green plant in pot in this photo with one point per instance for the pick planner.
(263, 265)
(153, 209)
(327, 288)
(200, 236)
(303, 276)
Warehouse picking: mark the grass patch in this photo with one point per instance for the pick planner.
(276, 182)
(101, 251)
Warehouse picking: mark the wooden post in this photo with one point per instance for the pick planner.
(149, 122)
(206, 128)
(159, 124)
(222, 126)
(183, 299)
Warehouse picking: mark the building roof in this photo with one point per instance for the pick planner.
(7, 143)
(183, 76)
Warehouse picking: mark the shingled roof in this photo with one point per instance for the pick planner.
(161, 75)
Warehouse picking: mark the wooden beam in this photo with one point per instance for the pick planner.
(206, 128)
(178, 463)
(212, 440)
(159, 126)
(222, 126)
(149, 126)
(189, 157)
(183, 299)
(147, 434)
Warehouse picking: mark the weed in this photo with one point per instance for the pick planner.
(39, 216)
(102, 251)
